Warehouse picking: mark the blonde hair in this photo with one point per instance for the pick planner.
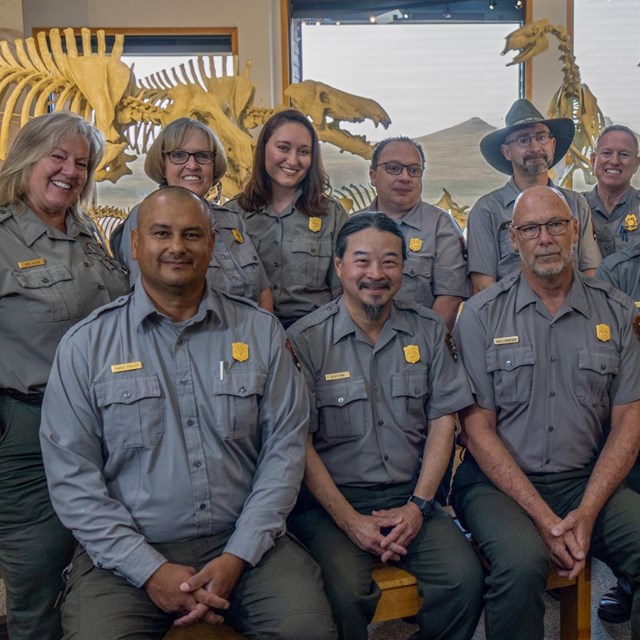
(36, 140)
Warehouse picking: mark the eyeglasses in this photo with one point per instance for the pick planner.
(524, 141)
(531, 231)
(182, 157)
(395, 169)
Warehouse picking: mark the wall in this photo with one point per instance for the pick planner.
(258, 23)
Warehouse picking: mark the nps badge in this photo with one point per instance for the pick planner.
(238, 236)
(631, 222)
(240, 351)
(603, 332)
(411, 353)
(315, 224)
(415, 244)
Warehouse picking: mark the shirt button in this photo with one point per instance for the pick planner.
(412, 272)
(552, 358)
(508, 363)
(243, 389)
(551, 428)
(340, 400)
(313, 250)
(99, 565)
(101, 287)
(275, 243)
(197, 464)
(234, 277)
(275, 286)
(183, 381)
(126, 394)
(86, 264)
(190, 422)
(547, 461)
(603, 367)
(224, 257)
(553, 324)
(276, 264)
(202, 505)
(376, 387)
(45, 280)
(277, 220)
(552, 393)
(380, 422)
(386, 458)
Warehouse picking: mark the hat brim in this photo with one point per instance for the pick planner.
(562, 129)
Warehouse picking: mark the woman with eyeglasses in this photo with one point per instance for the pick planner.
(292, 222)
(187, 154)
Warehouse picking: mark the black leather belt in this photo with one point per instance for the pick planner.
(28, 398)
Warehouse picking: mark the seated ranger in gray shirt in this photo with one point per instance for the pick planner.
(614, 202)
(385, 380)
(173, 434)
(525, 149)
(554, 360)
(435, 271)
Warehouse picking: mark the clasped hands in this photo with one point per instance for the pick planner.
(386, 533)
(196, 595)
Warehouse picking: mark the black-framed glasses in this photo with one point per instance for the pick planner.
(531, 231)
(182, 157)
(395, 168)
(524, 141)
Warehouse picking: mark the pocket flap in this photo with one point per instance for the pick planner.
(509, 358)
(39, 277)
(127, 389)
(603, 361)
(413, 385)
(340, 393)
(241, 384)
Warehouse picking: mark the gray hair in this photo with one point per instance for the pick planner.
(623, 129)
(35, 141)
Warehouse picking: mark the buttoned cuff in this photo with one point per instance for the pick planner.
(139, 564)
(249, 545)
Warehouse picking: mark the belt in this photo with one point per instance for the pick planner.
(27, 398)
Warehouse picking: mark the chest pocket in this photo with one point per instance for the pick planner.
(132, 409)
(410, 391)
(342, 409)
(504, 242)
(312, 259)
(596, 368)
(51, 287)
(416, 279)
(512, 369)
(236, 402)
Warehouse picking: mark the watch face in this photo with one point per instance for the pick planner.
(426, 507)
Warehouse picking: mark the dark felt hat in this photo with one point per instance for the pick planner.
(522, 114)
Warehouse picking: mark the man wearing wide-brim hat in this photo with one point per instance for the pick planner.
(525, 149)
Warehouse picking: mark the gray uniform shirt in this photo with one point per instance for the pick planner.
(234, 268)
(158, 432)
(489, 244)
(373, 402)
(297, 254)
(49, 280)
(436, 257)
(619, 229)
(551, 380)
(622, 270)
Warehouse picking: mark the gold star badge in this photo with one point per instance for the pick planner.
(240, 351)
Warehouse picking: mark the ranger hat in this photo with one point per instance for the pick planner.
(522, 114)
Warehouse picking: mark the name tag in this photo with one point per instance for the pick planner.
(36, 262)
(506, 340)
(340, 375)
(126, 366)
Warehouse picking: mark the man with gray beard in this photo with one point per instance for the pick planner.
(385, 379)
(526, 149)
(554, 361)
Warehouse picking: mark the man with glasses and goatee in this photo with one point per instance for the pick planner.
(435, 272)
(525, 149)
(554, 362)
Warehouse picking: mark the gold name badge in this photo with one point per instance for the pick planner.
(238, 236)
(415, 244)
(411, 353)
(36, 262)
(339, 375)
(315, 224)
(126, 366)
(638, 304)
(240, 351)
(603, 332)
(506, 340)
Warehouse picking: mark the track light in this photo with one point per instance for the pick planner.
(492, 5)
(446, 14)
(518, 4)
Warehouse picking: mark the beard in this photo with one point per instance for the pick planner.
(535, 165)
(373, 312)
(551, 270)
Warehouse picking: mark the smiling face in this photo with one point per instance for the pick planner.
(173, 243)
(370, 271)
(397, 194)
(616, 161)
(191, 175)
(57, 179)
(288, 154)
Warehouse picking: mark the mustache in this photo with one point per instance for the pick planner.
(368, 284)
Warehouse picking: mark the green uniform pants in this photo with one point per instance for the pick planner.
(281, 598)
(446, 568)
(507, 537)
(34, 546)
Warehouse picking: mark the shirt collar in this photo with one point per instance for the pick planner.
(412, 218)
(577, 298)
(510, 191)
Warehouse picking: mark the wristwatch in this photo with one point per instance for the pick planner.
(427, 507)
